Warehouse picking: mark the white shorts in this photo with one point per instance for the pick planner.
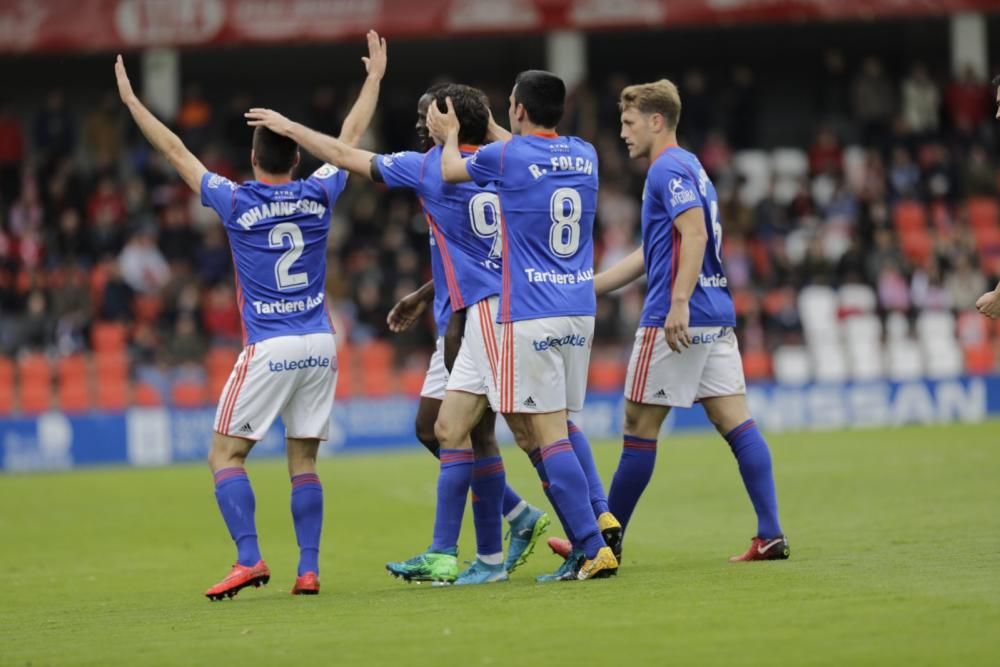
(437, 374)
(710, 367)
(475, 369)
(543, 364)
(291, 376)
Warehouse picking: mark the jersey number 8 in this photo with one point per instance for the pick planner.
(566, 210)
(282, 269)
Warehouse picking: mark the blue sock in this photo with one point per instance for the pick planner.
(568, 486)
(581, 447)
(488, 483)
(510, 500)
(634, 471)
(754, 459)
(536, 460)
(237, 504)
(453, 488)
(307, 514)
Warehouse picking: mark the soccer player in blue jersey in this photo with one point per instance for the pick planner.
(277, 229)
(685, 349)
(464, 225)
(547, 188)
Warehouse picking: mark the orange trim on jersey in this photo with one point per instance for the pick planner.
(469, 148)
(454, 292)
(286, 181)
(663, 152)
(240, 301)
(642, 366)
(505, 275)
(229, 404)
(489, 336)
(545, 134)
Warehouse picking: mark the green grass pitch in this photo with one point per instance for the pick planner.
(895, 540)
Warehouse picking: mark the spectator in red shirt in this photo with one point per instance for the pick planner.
(11, 154)
(967, 100)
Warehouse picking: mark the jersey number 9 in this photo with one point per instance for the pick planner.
(484, 211)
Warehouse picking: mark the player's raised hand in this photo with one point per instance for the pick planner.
(676, 326)
(377, 58)
(989, 304)
(272, 120)
(124, 85)
(439, 124)
(405, 313)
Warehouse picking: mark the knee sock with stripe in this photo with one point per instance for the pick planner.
(635, 468)
(307, 515)
(454, 481)
(754, 459)
(237, 504)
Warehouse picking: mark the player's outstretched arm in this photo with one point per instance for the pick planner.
(360, 116)
(694, 239)
(405, 313)
(444, 127)
(628, 270)
(989, 304)
(323, 146)
(159, 135)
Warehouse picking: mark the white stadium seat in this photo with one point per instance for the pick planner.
(903, 359)
(858, 298)
(791, 365)
(792, 162)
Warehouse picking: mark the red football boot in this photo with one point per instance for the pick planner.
(239, 578)
(307, 584)
(775, 548)
(560, 547)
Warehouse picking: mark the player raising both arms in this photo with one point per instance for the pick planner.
(547, 187)
(685, 349)
(464, 224)
(277, 228)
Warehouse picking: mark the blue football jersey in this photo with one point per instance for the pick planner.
(547, 186)
(464, 221)
(675, 183)
(278, 238)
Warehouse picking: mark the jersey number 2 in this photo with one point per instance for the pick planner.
(282, 269)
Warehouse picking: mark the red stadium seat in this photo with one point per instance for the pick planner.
(607, 373)
(36, 383)
(6, 386)
(146, 396)
(908, 216)
(980, 359)
(74, 384)
(188, 395)
(411, 381)
(108, 336)
(757, 365)
(984, 212)
(112, 394)
(345, 370)
(111, 367)
(147, 308)
(376, 368)
(917, 246)
(219, 364)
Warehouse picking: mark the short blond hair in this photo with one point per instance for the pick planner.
(658, 97)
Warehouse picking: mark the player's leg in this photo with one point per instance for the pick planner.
(307, 510)
(722, 393)
(234, 494)
(439, 563)
(306, 416)
(431, 395)
(638, 458)
(249, 403)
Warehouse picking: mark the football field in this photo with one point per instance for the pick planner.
(895, 538)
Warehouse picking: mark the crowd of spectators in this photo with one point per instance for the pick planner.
(94, 226)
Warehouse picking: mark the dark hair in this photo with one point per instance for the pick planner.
(472, 108)
(543, 96)
(275, 153)
(996, 81)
